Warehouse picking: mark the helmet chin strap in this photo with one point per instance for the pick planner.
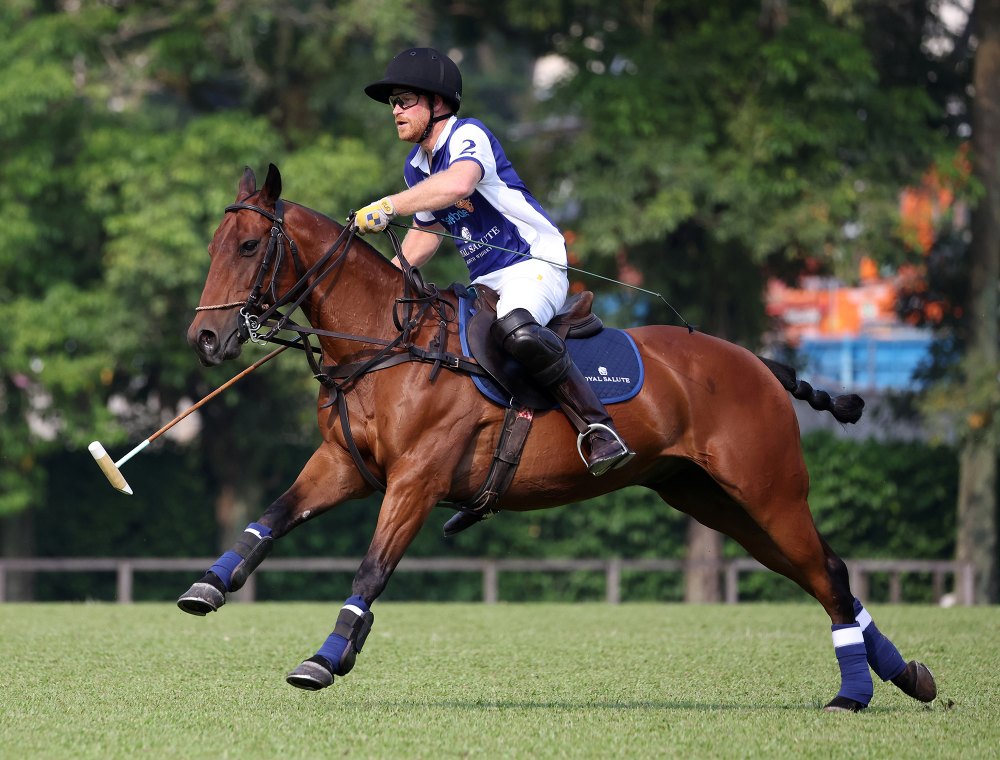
(433, 119)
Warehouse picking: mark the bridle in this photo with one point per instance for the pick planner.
(261, 315)
(264, 304)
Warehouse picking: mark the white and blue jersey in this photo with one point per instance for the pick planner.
(500, 212)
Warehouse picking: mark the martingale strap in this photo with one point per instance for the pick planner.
(352, 447)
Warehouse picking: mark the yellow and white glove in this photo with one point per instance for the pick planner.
(374, 217)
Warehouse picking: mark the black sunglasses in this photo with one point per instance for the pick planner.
(404, 100)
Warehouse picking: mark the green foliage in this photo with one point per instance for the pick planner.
(697, 122)
(695, 143)
(883, 499)
(966, 398)
(124, 133)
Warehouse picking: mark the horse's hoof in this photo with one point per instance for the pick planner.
(844, 704)
(311, 675)
(917, 681)
(201, 599)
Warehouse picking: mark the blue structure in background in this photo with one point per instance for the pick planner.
(865, 362)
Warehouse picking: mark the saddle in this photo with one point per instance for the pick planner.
(574, 320)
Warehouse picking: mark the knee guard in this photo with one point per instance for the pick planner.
(536, 348)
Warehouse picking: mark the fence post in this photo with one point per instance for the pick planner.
(613, 580)
(732, 583)
(967, 583)
(124, 581)
(491, 584)
(248, 593)
(858, 580)
(895, 587)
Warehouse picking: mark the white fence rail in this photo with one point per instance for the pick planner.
(961, 574)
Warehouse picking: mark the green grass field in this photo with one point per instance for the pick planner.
(469, 680)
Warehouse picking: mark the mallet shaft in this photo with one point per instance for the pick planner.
(132, 453)
(111, 469)
(198, 405)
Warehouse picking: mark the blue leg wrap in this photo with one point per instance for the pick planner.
(855, 680)
(882, 654)
(342, 646)
(228, 562)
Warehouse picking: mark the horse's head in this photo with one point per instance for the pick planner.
(246, 251)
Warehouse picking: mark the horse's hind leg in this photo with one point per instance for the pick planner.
(791, 546)
(328, 479)
(913, 678)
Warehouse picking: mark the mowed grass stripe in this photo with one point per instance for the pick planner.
(510, 680)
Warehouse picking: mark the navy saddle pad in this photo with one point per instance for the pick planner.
(609, 360)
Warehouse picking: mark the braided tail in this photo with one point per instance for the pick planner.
(846, 408)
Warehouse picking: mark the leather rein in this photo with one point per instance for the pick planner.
(261, 318)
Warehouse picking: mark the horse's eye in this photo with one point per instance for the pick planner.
(248, 248)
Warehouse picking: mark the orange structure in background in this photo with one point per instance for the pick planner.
(822, 307)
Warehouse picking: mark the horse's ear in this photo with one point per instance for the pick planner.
(271, 191)
(248, 185)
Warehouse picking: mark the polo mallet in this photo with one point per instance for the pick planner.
(112, 470)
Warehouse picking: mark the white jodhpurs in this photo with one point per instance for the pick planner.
(534, 285)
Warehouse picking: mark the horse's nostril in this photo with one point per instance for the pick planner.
(207, 341)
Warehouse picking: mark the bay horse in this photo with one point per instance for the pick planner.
(713, 427)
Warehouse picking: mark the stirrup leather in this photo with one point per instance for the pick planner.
(594, 427)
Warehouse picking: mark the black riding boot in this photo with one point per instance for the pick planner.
(599, 443)
(544, 355)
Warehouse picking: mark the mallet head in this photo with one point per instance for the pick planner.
(109, 468)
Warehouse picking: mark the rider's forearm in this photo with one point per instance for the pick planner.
(439, 190)
(419, 247)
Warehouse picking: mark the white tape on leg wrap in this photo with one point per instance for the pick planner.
(846, 636)
(864, 619)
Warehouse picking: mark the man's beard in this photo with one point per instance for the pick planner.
(412, 132)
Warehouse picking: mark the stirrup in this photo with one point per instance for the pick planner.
(621, 461)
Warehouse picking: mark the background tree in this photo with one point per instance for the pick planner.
(977, 501)
(962, 269)
(118, 123)
(713, 144)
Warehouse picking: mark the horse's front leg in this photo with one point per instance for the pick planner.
(404, 511)
(328, 479)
